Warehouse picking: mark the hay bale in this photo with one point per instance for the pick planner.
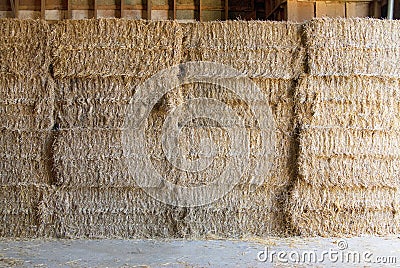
(26, 103)
(342, 131)
(95, 158)
(25, 157)
(98, 190)
(24, 47)
(356, 102)
(21, 210)
(91, 154)
(112, 47)
(26, 120)
(93, 102)
(310, 198)
(130, 213)
(275, 53)
(246, 211)
(107, 212)
(348, 156)
(353, 46)
(347, 223)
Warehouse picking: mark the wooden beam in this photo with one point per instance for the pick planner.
(267, 8)
(275, 9)
(174, 9)
(357, 10)
(330, 9)
(376, 9)
(122, 9)
(149, 3)
(200, 10)
(226, 9)
(51, 5)
(95, 9)
(300, 11)
(341, 1)
(16, 14)
(69, 9)
(15, 7)
(43, 9)
(12, 7)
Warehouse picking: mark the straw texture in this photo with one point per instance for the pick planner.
(130, 213)
(82, 142)
(89, 164)
(22, 210)
(335, 172)
(112, 47)
(24, 47)
(26, 120)
(26, 103)
(275, 53)
(93, 102)
(348, 158)
(353, 46)
(348, 223)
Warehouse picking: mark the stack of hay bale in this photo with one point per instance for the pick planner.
(26, 120)
(348, 114)
(97, 65)
(271, 55)
(76, 181)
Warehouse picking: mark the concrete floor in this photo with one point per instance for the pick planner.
(287, 252)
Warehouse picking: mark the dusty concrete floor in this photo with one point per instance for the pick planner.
(297, 252)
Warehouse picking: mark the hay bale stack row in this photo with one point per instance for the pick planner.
(348, 114)
(75, 182)
(114, 47)
(254, 206)
(258, 49)
(272, 60)
(98, 197)
(97, 65)
(26, 120)
(350, 47)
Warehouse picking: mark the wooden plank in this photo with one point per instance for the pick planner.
(15, 7)
(320, 9)
(12, 7)
(357, 10)
(149, 3)
(174, 9)
(267, 8)
(50, 6)
(43, 9)
(300, 11)
(95, 8)
(226, 9)
(276, 8)
(376, 9)
(330, 9)
(69, 9)
(338, 1)
(200, 11)
(122, 9)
